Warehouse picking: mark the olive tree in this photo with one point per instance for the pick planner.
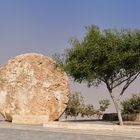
(104, 103)
(88, 110)
(75, 105)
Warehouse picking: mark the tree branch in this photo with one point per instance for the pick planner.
(117, 79)
(127, 84)
(122, 81)
(108, 86)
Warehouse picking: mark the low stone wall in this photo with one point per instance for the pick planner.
(110, 117)
(128, 117)
(30, 119)
(91, 127)
(132, 117)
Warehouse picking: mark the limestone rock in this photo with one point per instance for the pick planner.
(31, 84)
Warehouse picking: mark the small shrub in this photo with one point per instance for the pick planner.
(131, 105)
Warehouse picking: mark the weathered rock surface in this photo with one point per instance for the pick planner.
(31, 84)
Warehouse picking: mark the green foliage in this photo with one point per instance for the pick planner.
(104, 56)
(132, 105)
(104, 103)
(60, 60)
(75, 105)
(88, 111)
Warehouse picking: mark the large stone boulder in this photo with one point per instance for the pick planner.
(31, 86)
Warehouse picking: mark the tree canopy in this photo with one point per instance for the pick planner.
(108, 56)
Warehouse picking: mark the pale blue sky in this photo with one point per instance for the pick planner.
(45, 26)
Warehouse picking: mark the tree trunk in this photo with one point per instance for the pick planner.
(117, 107)
(118, 110)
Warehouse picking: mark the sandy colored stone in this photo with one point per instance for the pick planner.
(92, 127)
(31, 84)
(30, 119)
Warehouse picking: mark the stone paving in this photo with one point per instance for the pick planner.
(10, 131)
(15, 134)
